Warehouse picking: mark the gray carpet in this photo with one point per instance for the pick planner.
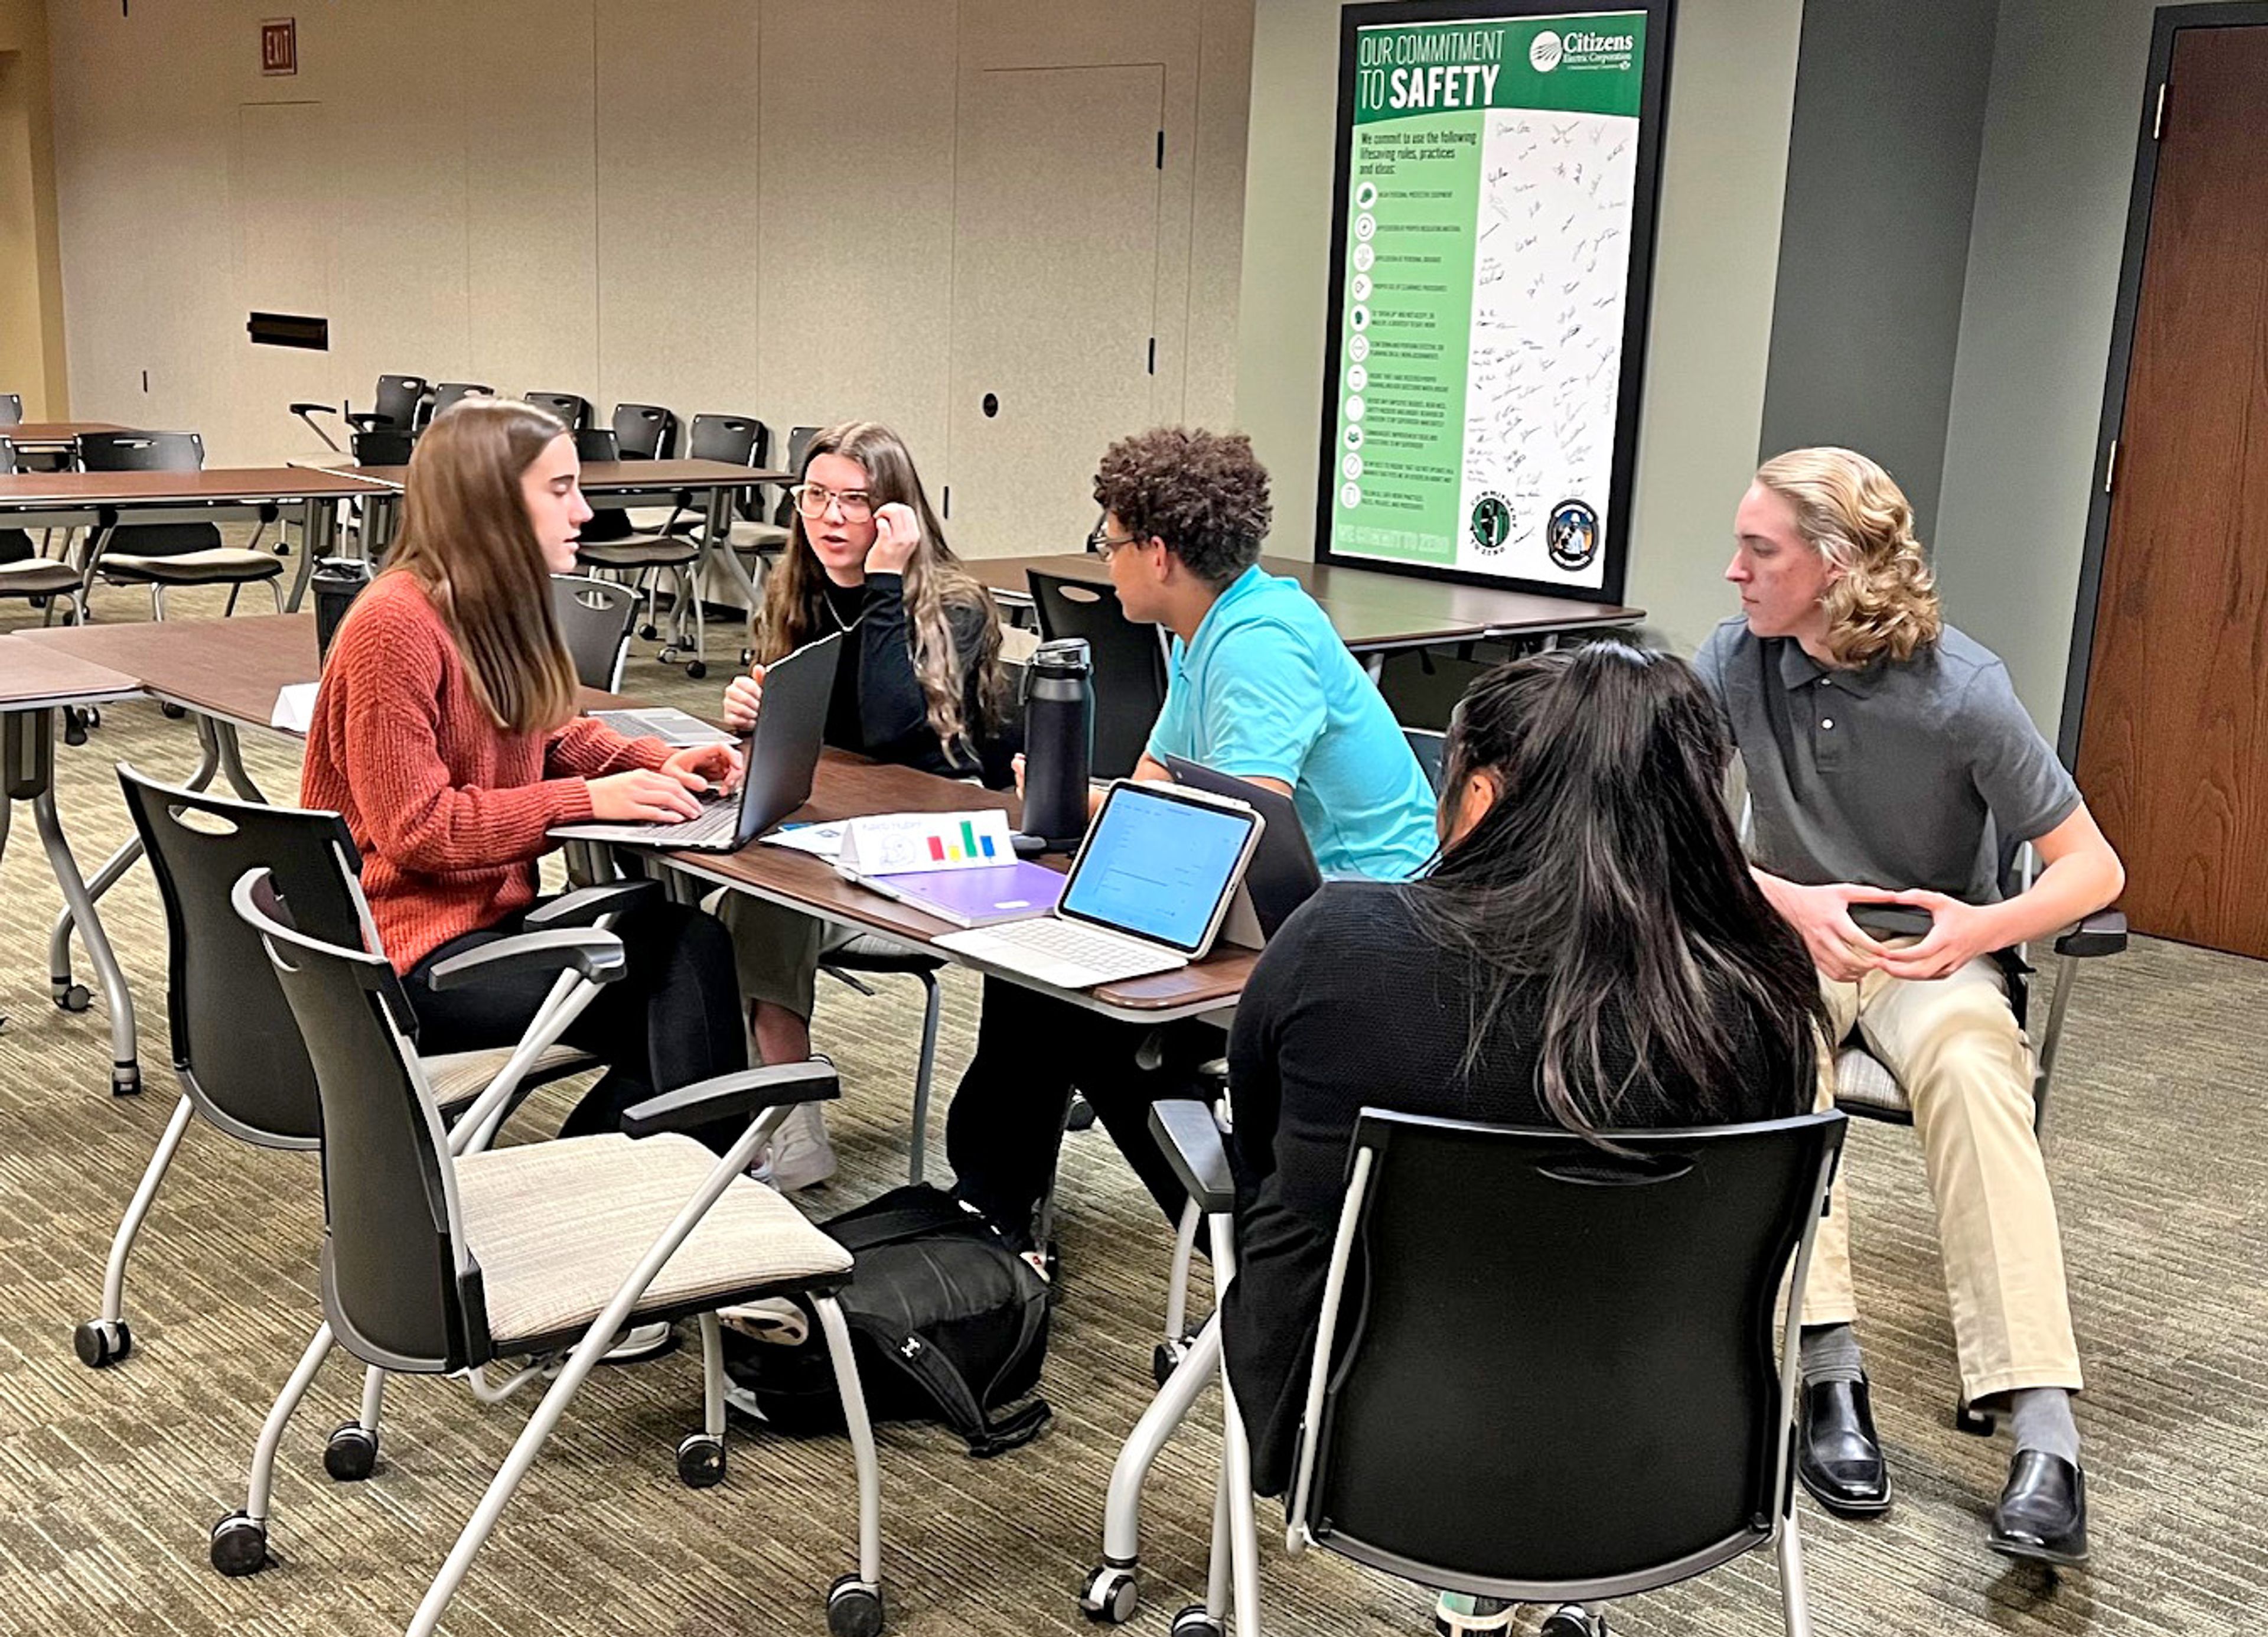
(109, 1481)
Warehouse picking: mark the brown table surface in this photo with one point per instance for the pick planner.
(37, 676)
(253, 482)
(601, 475)
(1369, 609)
(51, 434)
(847, 785)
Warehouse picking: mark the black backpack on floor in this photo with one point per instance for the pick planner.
(947, 1321)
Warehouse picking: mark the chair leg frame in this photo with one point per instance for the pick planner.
(129, 1226)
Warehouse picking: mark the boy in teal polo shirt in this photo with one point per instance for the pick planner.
(1262, 688)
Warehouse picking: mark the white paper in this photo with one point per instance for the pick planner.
(889, 844)
(295, 708)
(823, 841)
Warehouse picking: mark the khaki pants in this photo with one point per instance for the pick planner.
(777, 950)
(1954, 1044)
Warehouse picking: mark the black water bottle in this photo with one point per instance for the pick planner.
(1059, 740)
(336, 582)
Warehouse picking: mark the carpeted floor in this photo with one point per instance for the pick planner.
(109, 1481)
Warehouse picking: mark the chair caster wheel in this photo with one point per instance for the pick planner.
(854, 1609)
(174, 712)
(701, 1463)
(1572, 1620)
(696, 669)
(1194, 1622)
(99, 1343)
(1111, 1595)
(649, 631)
(1166, 1358)
(75, 727)
(351, 1455)
(1488, 1615)
(1081, 1117)
(73, 997)
(125, 1079)
(239, 1546)
(1976, 1422)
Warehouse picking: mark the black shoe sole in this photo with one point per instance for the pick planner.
(2025, 1552)
(1852, 1509)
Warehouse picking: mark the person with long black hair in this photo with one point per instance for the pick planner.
(1588, 950)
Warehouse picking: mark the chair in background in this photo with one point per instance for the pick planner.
(396, 408)
(12, 409)
(162, 555)
(622, 545)
(1614, 1417)
(446, 395)
(436, 1261)
(384, 445)
(28, 573)
(594, 616)
(1426, 746)
(570, 407)
(644, 431)
(1129, 665)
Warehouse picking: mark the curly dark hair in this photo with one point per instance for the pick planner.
(1205, 494)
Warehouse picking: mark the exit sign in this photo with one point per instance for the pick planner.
(279, 46)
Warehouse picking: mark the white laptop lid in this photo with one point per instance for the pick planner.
(1161, 863)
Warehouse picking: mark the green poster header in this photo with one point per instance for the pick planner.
(1586, 62)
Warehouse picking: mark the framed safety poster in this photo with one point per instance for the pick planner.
(1491, 251)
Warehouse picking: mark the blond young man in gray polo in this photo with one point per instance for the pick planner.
(1887, 761)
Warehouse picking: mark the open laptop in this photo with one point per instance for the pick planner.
(1148, 892)
(1283, 874)
(781, 754)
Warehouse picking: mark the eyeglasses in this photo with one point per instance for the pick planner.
(1103, 546)
(811, 500)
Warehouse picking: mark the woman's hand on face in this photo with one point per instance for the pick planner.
(743, 699)
(897, 535)
(642, 795)
(713, 766)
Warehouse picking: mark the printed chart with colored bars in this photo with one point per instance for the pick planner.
(1492, 172)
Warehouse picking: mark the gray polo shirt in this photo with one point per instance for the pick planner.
(1894, 775)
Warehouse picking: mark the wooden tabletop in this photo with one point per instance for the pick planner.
(54, 434)
(31, 676)
(599, 476)
(219, 483)
(848, 785)
(1367, 609)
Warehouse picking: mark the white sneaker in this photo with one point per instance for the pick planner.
(799, 1156)
(641, 1342)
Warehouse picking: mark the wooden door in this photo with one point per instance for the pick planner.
(1055, 279)
(2172, 751)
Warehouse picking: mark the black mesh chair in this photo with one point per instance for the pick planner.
(1427, 746)
(594, 616)
(12, 409)
(644, 431)
(396, 408)
(384, 445)
(613, 543)
(570, 407)
(1545, 1372)
(28, 573)
(162, 556)
(1129, 665)
(238, 1055)
(446, 395)
(437, 1262)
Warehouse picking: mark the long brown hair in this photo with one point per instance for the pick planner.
(936, 584)
(465, 539)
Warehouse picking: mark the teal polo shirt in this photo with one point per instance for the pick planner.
(1266, 689)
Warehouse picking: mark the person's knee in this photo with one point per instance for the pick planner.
(1974, 1054)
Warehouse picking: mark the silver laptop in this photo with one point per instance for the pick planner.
(1152, 884)
(781, 756)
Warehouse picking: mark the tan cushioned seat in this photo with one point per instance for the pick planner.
(640, 551)
(455, 1078)
(559, 1226)
(36, 577)
(1861, 1079)
(188, 567)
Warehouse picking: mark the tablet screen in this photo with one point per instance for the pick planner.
(1158, 865)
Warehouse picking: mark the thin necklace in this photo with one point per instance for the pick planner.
(827, 602)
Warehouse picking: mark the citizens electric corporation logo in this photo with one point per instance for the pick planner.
(1543, 52)
(1571, 535)
(1490, 523)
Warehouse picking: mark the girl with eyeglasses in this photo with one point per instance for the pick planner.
(920, 685)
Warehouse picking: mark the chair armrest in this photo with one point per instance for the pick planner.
(1192, 1145)
(314, 409)
(366, 419)
(737, 1097)
(596, 956)
(585, 904)
(2102, 932)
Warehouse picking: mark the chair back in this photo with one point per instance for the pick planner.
(12, 409)
(1562, 1380)
(1427, 746)
(234, 1044)
(15, 544)
(400, 397)
(449, 393)
(570, 407)
(149, 451)
(609, 519)
(594, 616)
(799, 446)
(1129, 665)
(399, 1287)
(644, 431)
(385, 445)
(735, 439)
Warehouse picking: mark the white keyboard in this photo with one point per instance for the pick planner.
(1064, 953)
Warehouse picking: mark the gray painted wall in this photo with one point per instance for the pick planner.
(1874, 250)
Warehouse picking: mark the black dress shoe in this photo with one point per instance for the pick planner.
(2042, 1512)
(1837, 1456)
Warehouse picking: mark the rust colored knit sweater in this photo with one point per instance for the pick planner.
(449, 810)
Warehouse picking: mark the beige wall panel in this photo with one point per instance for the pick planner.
(853, 238)
(531, 86)
(678, 205)
(286, 208)
(1217, 213)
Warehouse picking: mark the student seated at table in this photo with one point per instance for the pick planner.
(1260, 687)
(445, 731)
(919, 685)
(1589, 951)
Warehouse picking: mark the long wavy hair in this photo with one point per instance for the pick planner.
(1856, 517)
(936, 584)
(465, 539)
(1608, 866)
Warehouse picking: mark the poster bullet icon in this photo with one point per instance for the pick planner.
(1358, 349)
(1364, 226)
(1364, 255)
(1354, 408)
(1350, 496)
(1357, 378)
(1362, 286)
(1351, 465)
(1365, 195)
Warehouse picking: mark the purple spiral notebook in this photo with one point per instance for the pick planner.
(986, 896)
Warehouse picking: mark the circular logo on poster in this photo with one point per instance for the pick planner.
(1490, 523)
(1543, 52)
(1571, 535)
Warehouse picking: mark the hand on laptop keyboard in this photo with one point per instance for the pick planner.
(642, 795)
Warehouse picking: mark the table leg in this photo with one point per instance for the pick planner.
(231, 760)
(315, 520)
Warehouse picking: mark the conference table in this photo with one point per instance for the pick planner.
(50, 437)
(1374, 612)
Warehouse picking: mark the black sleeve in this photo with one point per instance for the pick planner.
(1254, 1047)
(891, 703)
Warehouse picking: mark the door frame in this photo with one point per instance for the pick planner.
(2170, 19)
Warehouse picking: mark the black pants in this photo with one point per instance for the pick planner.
(1005, 1126)
(672, 1017)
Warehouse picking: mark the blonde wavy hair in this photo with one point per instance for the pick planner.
(1850, 511)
